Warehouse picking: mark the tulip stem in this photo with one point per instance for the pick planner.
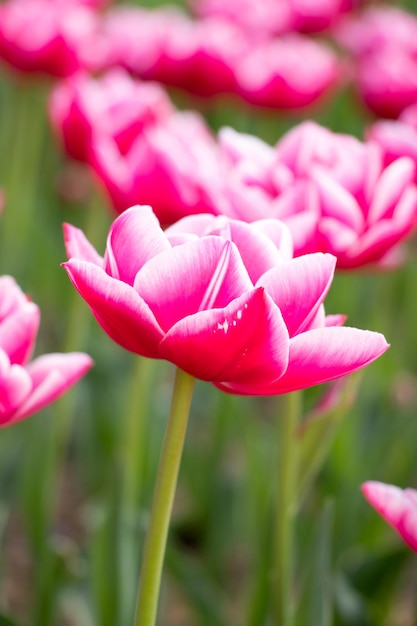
(285, 508)
(166, 481)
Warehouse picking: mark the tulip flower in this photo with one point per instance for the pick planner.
(397, 506)
(172, 164)
(114, 105)
(331, 190)
(52, 38)
(28, 386)
(220, 299)
(287, 73)
(383, 43)
(167, 46)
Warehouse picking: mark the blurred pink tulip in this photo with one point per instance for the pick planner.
(272, 17)
(216, 56)
(330, 189)
(383, 43)
(289, 72)
(172, 165)
(114, 105)
(55, 38)
(397, 506)
(219, 298)
(27, 387)
(167, 46)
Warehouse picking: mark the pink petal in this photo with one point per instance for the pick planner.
(258, 252)
(336, 237)
(336, 201)
(18, 332)
(318, 356)
(247, 341)
(383, 235)
(298, 287)
(52, 375)
(78, 246)
(279, 234)
(120, 311)
(134, 238)
(394, 180)
(15, 386)
(198, 275)
(397, 506)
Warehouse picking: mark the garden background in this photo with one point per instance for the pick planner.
(70, 549)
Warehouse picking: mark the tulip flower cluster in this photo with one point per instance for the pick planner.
(213, 56)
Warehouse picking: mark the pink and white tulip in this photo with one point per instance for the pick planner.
(221, 299)
(28, 386)
(397, 506)
(114, 105)
(52, 38)
(331, 190)
(172, 165)
(383, 44)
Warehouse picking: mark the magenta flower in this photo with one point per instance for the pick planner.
(397, 506)
(168, 46)
(172, 165)
(115, 106)
(28, 386)
(289, 72)
(330, 189)
(220, 299)
(54, 38)
(383, 43)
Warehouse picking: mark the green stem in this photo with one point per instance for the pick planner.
(150, 580)
(285, 507)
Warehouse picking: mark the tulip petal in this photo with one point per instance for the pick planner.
(15, 386)
(198, 275)
(18, 332)
(121, 312)
(318, 356)
(397, 506)
(52, 375)
(78, 246)
(391, 185)
(298, 287)
(134, 238)
(247, 341)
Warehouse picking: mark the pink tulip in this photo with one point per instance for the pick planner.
(167, 46)
(53, 38)
(287, 73)
(272, 17)
(397, 506)
(28, 386)
(220, 299)
(383, 42)
(115, 106)
(330, 189)
(173, 165)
